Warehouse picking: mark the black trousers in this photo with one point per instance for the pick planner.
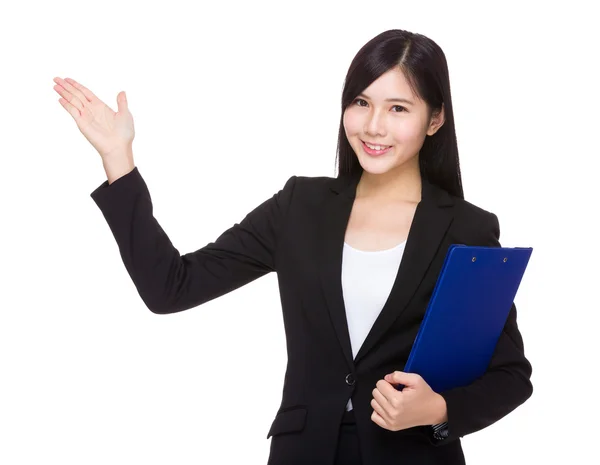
(348, 448)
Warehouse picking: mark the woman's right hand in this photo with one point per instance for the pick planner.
(109, 132)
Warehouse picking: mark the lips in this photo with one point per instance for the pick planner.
(372, 143)
(373, 152)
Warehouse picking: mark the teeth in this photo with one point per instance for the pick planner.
(375, 147)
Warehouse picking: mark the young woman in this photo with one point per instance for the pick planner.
(357, 258)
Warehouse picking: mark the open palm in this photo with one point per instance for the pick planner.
(108, 131)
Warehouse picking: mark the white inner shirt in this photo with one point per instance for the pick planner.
(367, 279)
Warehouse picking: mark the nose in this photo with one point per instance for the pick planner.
(374, 125)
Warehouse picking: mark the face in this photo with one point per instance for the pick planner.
(388, 114)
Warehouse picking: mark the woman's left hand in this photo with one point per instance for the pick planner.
(416, 405)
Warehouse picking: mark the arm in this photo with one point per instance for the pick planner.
(169, 282)
(505, 385)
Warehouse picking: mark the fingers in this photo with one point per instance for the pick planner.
(88, 94)
(67, 92)
(379, 416)
(385, 403)
(387, 389)
(376, 404)
(74, 112)
(67, 84)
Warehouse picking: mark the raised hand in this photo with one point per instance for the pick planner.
(110, 133)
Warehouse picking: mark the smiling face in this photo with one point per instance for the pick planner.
(389, 114)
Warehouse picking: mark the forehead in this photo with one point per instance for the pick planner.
(391, 84)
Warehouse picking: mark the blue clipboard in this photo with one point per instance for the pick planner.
(466, 314)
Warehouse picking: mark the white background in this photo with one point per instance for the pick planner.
(235, 98)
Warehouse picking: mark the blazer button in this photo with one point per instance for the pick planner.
(350, 379)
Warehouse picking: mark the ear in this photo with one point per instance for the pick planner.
(437, 120)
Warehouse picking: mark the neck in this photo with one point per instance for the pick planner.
(395, 185)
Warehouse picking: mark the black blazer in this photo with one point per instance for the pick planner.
(299, 233)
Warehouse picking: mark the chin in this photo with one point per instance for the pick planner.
(375, 165)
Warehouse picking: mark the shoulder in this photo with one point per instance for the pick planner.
(466, 215)
(316, 182)
(474, 224)
(469, 211)
(311, 187)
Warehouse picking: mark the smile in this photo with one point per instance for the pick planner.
(374, 151)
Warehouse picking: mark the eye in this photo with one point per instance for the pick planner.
(359, 100)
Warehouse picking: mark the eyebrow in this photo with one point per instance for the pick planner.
(403, 100)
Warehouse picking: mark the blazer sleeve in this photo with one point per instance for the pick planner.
(169, 282)
(506, 383)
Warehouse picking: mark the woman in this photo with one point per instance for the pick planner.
(357, 258)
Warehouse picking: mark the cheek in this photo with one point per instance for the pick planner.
(351, 124)
(407, 133)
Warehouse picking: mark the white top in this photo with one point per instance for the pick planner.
(367, 279)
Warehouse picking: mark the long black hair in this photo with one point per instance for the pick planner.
(424, 65)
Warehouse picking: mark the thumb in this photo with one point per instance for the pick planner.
(122, 102)
(400, 377)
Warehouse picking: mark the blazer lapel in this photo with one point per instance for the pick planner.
(430, 223)
(332, 231)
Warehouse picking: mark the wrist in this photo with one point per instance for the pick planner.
(440, 411)
(118, 165)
